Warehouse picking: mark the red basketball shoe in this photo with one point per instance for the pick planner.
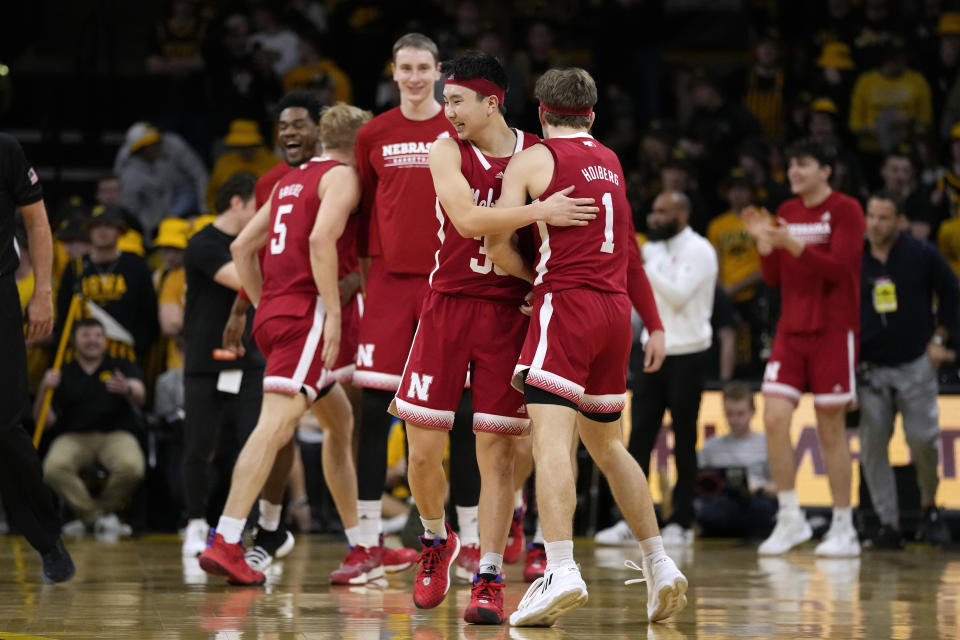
(361, 565)
(536, 562)
(222, 559)
(486, 601)
(436, 563)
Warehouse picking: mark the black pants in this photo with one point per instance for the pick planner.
(676, 386)
(28, 501)
(372, 456)
(214, 429)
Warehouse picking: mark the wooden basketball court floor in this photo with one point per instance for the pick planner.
(144, 589)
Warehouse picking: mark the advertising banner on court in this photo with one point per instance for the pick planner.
(812, 487)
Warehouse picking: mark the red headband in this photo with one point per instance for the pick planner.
(566, 111)
(481, 86)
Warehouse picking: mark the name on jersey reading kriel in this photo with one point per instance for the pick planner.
(406, 154)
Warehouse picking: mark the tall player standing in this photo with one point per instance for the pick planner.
(398, 234)
(302, 221)
(813, 253)
(470, 322)
(573, 367)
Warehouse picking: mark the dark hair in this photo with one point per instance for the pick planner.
(87, 322)
(108, 177)
(737, 390)
(890, 196)
(306, 99)
(477, 64)
(239, 184)
(823, 152)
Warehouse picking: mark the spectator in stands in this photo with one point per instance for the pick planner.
(109, 193)
(753, 158)
(824, 125)
(943, 69)
(877, 29)
(948, 241)
(177, 65)
(889, 102)
(117, 282)
(170, 283)
(160, 174)
(835, 22)
(247, 154)
(764, 94)
(239, 84)
(715, 131)
(72, 233)
(95, 421)
(682, 268)
(278, 45)
(314, 68)
(899, 175)
(677, 173)
(902, 344)
(739, 268)
(945, 197)
(835, 79)
(747, 508)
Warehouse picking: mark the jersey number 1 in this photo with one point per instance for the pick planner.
(279, 243)
(607, 245)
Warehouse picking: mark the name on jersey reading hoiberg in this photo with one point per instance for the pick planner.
(599, 172)
(406, 154)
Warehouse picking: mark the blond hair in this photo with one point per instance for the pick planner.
(340, 123)
(572, 88)
(416, 41)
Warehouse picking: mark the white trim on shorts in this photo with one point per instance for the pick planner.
(781, 390)
(840, 399)
(544, 252)
(376, 380)
(549, 382)
(606, 403)
(502, 425)
(421, 416)
(344, 375)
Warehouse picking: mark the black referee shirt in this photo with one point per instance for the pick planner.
(19, 186)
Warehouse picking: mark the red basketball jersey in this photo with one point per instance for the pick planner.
(397, 222)
(287, 274)
(594, 255)
(462, 266)
(347, 258)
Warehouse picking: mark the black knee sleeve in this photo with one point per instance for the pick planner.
(602, 417)
(464, 471)
(536, 395)
(372, 454)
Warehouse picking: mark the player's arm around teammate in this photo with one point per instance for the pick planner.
(472, 220)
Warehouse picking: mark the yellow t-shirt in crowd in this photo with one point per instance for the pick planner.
(736, 251)
(874, 93)
(300, 78)
(948, 242)
(173, 290)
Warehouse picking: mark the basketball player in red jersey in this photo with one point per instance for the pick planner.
(398, 233)
(470, 323)
(812, 252)
(573, 367)
(299, 226)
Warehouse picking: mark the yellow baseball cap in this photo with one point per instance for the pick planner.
(172, 233)
(835, 55)
(243, 133)
(824, 105)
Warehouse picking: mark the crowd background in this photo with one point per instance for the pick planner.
(139, 112)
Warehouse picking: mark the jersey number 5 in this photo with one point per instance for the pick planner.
(485, 266)
(279, 242)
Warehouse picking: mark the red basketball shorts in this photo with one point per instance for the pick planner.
(578, 347)
(291, 340)
(823, 363)
(350, 315)
(457, 335)
(392, 309)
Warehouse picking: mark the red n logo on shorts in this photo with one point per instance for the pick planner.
(420, 387)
